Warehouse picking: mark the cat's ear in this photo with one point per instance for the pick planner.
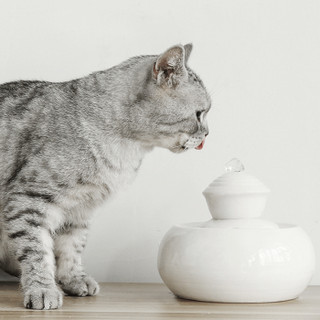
(187, 49)
(169, 69)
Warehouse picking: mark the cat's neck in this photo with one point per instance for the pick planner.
(121, 85)
(112, 98)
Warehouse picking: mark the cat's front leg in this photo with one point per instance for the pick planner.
(69, 245)
(31, 247)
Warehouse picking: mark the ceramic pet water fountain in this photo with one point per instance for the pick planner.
(236, 257)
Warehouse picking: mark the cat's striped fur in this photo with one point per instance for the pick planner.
(66, 147)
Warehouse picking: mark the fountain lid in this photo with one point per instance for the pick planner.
(236, 200)
(236, 181)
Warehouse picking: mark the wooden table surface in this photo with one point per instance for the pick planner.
(155, 301)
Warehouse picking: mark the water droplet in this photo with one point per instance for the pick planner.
(234, 165)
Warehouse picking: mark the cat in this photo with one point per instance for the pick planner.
(66, 147)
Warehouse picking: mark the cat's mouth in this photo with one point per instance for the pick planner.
(200, 146)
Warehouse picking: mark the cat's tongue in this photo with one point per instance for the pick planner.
(200, 146)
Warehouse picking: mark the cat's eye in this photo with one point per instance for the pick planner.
(199, 115)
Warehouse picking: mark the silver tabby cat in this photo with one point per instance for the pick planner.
(66, 147)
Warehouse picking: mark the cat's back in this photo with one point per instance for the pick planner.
(15, 97)
(20, 87)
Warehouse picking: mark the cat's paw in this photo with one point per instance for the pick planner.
(81, 287)
(43, 298)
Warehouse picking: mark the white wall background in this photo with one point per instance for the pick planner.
(259, 60)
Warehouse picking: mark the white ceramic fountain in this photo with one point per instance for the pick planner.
(236, 257)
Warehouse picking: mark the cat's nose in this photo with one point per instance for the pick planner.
(206, 134)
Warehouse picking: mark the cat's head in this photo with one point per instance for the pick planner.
(177, 102)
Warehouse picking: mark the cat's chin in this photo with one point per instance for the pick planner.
(178, 149)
